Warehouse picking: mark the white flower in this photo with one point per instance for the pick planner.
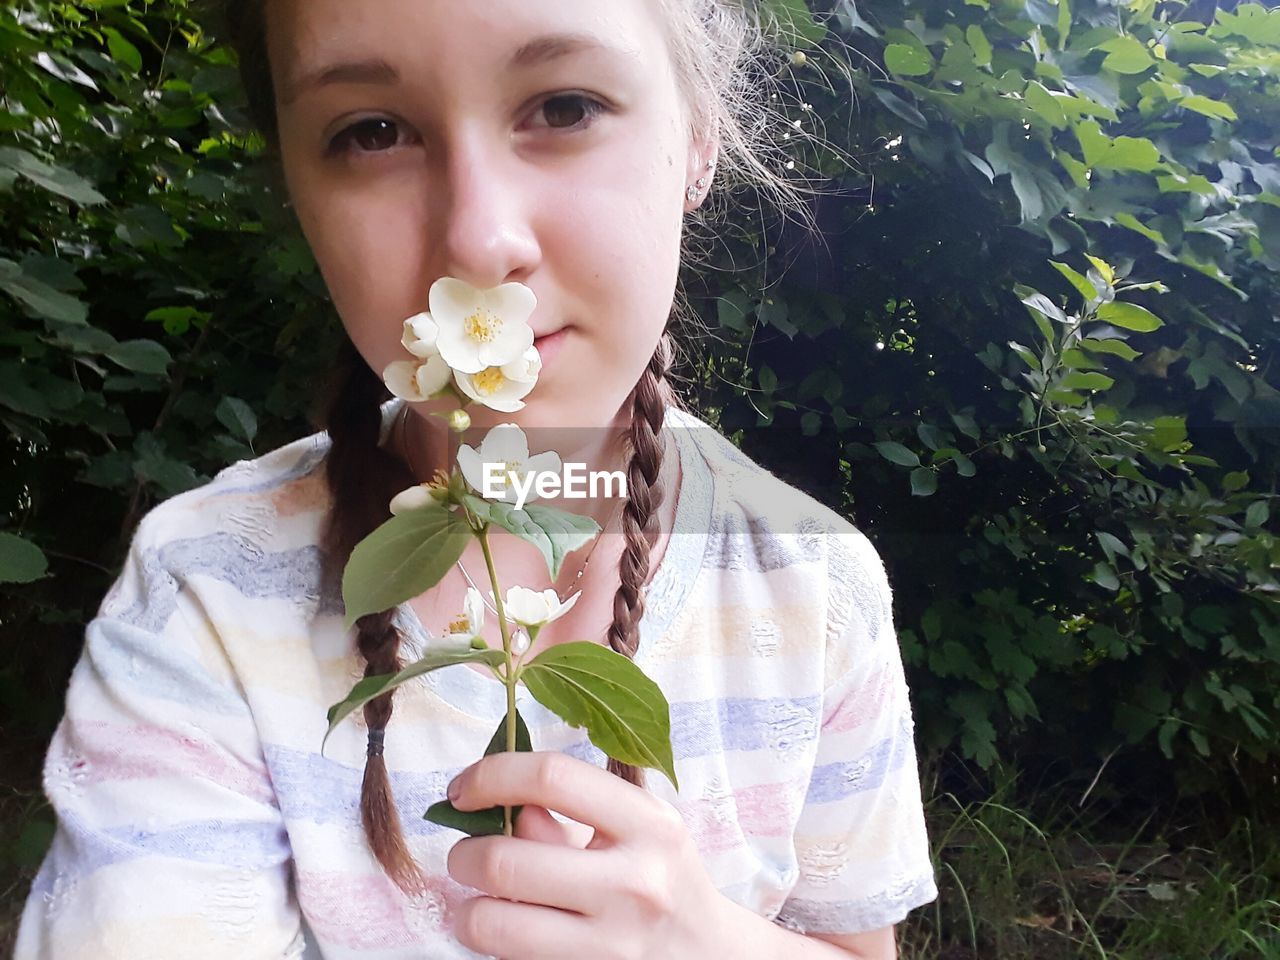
(419, 337)
(478, 329)
(414, 498)
(494, 389)
(531, 608)
(505, 451)
(473, 610)
(416, 380)
(458, 636)
(519, 641)
(525, 368)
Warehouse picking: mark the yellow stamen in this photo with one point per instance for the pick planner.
(489, 380)
(461, 625)
(482, 326)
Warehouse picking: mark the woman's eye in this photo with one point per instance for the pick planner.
(374, 135)
(568, 110)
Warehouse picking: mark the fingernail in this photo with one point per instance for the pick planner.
(455, 789)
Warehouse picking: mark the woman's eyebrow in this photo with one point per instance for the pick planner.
(378, 72)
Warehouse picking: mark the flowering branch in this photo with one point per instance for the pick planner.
(477, 347)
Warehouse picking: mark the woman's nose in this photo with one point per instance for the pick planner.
(487, 235)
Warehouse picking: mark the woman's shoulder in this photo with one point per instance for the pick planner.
(250, 517)
(770, 542)
(762, 522)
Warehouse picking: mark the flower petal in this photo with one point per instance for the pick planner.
(472, 467)
(420, 333)
(400, 377)
(413, 498)
(459, 351)
(506, 441)
(450, 300)
(433, 375)
(512, 339)
(511, 301)
(548, 462)
(526, 367)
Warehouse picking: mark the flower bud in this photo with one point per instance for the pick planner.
(798, 59)
(459, 421)
(477, 643)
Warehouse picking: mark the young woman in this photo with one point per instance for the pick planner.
(561, 144)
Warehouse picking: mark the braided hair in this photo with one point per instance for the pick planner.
(363, 477)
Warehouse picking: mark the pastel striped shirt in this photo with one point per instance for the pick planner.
(197, 819)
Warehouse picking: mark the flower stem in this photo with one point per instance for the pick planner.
(511, 673)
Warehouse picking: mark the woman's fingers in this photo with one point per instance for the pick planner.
(531, 871)
(557, 781)
(536, 823)
(500, 928)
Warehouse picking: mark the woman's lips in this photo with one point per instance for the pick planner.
(549, 345)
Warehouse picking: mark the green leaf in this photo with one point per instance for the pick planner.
(1257, 514)
(924, 482)
(792, 20)
(906, 60)
(1169, 433)
(1085, 380)
(122, 50)
(732, 308)
(236, 416)
(55, 179)
(491, 821)
(979, 43)
(1077, 280)
(1115, 348)
(406, 555)
(554, 532)
(1125, 54)
(1131, 153)
(1208, 107)
(1073, 358)
(964, 466)
(768, 379)
(1102, 266)
(1026, 354)
(140, 356)
(966, 425)
(21, 561)
(1234, 481)
(1130, 316)
(895, 104)
(1105, 577)
(176, 320)
(370, 688)
(624, 712)
(895, 452)
(1111, 545)
(41, 298)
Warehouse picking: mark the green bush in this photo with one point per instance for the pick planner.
(1042, 353)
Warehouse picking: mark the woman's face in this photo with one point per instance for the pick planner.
(543, 142)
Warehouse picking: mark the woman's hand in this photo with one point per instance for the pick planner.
(635, 889)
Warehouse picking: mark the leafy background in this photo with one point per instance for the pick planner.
(1034, 355)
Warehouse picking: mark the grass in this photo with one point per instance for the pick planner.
(1076, 882)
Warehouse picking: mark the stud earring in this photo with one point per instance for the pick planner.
(691, 194)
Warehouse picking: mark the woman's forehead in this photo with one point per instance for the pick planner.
(315, 42)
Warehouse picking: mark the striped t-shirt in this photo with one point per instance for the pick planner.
(197, 819)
